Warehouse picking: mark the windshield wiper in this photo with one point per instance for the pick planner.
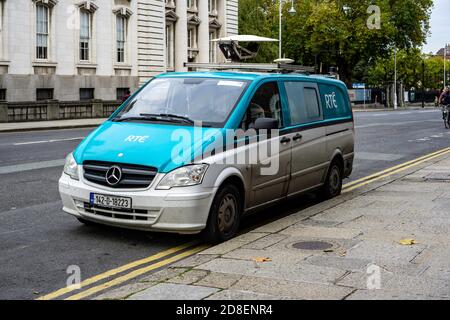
(140, 118)
(170, 116)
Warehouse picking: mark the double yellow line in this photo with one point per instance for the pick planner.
(185, 250)
(393, 170)
(193, 249)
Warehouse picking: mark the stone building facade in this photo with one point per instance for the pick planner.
(71, 50)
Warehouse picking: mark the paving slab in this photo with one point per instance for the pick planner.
(300, 229)
(289, 289)
(219, 280)
(125, 291)
(195, 260)
(189, 277)
(389, 295)
(164, 274)
(242, 295)
(234, 243)
(170, 291)
(265, 242)
(385, 252)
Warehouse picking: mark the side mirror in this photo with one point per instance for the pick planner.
(266, 123)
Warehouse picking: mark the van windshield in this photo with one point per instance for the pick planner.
(184, 100)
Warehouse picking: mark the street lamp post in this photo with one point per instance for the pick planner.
(445, 65)
(292, 12)
(395, 79)
(423, 83)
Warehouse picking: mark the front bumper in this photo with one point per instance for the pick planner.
(179, 210)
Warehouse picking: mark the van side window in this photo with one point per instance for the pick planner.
(303, 103)
(312, 104)
(264, 104)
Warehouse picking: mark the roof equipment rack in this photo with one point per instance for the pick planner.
(251, 67)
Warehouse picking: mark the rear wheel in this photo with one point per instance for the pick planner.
(333, 182)
(225, 215)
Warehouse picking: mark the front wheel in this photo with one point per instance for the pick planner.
(447, 120)
(225, 215)
(333, 182)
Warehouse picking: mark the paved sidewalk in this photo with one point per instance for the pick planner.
(360, 108)
(48, 125)
(363, 227)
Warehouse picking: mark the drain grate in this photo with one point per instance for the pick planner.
(313, 245)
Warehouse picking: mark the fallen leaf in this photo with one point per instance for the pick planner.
(408, 242)
(262, 259)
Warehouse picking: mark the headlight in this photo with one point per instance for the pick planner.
(183, 177)
(71, 167)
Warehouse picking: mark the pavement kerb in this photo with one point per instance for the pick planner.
(359, 109)
(50, 125)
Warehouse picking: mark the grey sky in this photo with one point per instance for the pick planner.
(440, 26)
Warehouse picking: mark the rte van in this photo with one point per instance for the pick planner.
(193, 152)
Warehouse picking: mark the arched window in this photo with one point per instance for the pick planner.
(43, 21)
(122, 17)
(87, 10)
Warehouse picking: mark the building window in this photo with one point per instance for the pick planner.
(85, 35)
(212, 46)
(192, 4)
(1, 29)
(170, 46)
(123, 94)
(121, 31)
(2, 94)
(212, 7)
(42, 31)
(86, 94)
(192, 38)
(44, 94)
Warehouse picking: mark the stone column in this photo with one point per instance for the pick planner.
(97, 109)
(203, 31)
(3, 112)
(181, 36)
(52, 110)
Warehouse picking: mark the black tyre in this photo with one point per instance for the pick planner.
(224, 216)
(333, 182)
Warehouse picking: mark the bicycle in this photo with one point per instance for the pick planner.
(446, 116)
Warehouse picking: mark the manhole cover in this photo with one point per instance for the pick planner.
(312, 245)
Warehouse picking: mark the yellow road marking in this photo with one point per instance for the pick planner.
(115, 271)
(375, 175)
(402, 168)
(135, 273)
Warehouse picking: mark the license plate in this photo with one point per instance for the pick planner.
(110, 201)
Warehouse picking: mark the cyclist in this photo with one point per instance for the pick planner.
(444, 99)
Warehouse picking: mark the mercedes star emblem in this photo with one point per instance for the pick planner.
(114, 175)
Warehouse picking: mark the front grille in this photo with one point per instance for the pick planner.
(124, 214)
(133, 176)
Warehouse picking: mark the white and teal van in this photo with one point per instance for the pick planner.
(194, 152)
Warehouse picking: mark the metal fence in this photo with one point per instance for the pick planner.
(56, 110)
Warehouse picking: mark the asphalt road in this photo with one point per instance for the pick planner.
(38, 241)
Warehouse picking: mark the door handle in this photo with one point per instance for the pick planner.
(285, 140)
(297, 137)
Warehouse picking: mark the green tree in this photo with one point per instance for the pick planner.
(410, 70)
(335, 32)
